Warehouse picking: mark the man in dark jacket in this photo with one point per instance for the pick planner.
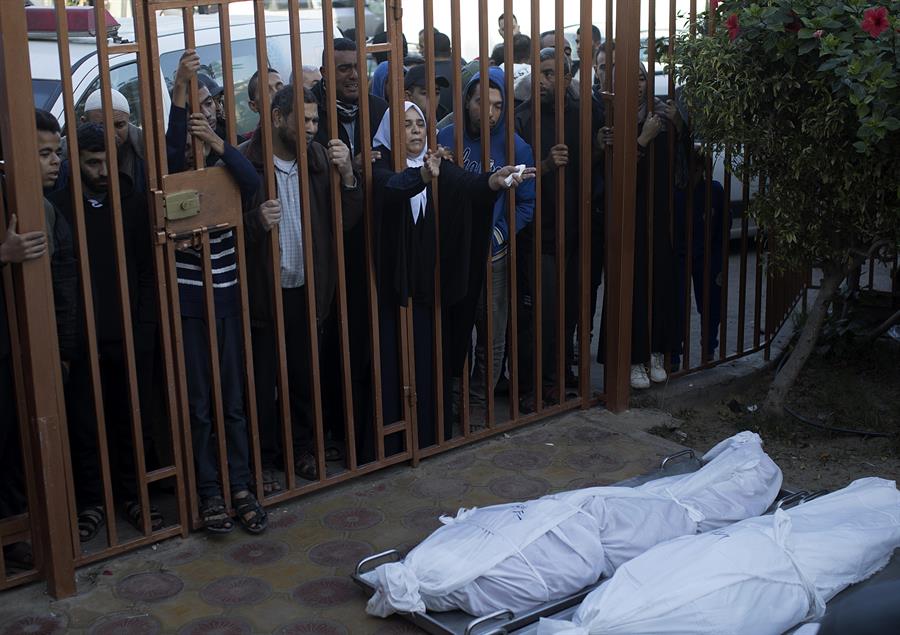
(293, 275)
(497, 110)
(106, 305)
(556, 158)
(346, 85)
(16, 248)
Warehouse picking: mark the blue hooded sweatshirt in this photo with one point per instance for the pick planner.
(472, 154)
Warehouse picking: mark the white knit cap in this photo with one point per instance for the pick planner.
(119, 102)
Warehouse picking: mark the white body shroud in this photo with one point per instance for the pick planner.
(518, 556)
(762, 575)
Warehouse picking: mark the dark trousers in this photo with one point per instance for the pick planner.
(12, 486)
(391, 378)
(199, 380)
(265, 362)
(82, 421)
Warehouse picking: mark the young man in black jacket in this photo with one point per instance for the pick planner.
(108, 324)
(16, 248)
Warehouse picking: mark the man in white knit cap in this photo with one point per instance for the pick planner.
(129, 138)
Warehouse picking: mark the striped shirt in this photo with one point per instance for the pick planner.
(224, 277)
(290, 230)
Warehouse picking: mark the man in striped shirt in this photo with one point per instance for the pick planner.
(182, 130)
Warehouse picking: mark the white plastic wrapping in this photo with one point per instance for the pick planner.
(763, 575)
(521, 555)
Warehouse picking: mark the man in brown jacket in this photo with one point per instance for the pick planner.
(286, 212)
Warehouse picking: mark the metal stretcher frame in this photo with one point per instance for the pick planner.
(504, 622)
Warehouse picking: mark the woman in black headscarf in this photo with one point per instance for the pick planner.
(406, 254)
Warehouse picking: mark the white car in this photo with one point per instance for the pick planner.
(45, 69)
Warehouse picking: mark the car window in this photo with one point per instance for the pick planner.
(124, 78)
(45, 92)
(243, 54)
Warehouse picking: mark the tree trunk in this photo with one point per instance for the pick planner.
(773, 407)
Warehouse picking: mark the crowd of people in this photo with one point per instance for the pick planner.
(440, 213)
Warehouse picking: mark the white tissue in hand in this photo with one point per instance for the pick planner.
(519, 170)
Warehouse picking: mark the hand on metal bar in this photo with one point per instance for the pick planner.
(21, 247)
(270, 211)
(339, 155)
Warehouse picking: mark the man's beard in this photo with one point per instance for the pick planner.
(285, 138)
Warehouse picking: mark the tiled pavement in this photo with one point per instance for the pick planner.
(295, 578)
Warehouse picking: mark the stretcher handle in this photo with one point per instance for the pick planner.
(377, 556)
(796, 497)
(817, 494)
(677, 455)
(470, 628)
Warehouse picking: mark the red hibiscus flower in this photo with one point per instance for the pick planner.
(713, 5)
(875, 21)
(733, 25)
(795, 24)
(818, 34)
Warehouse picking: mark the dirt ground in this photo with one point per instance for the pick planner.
(857, 389)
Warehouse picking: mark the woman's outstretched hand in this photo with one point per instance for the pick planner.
(511, 176)
(432, 168)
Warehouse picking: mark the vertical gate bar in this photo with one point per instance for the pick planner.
(239, 242)
(707, 261)
(742, 289)
(688, 262)
(726, 248)
(40, 362)
(585, 247)
(672, 96)
(693, 17)
(537, 282)
(431, 120)
(369, 229)
(341, 291)
(209, 307)
(306, 229)
(458, 106)
(122, 275)
(228, 73)
(608, 149)
(187, 17)
(394, 86)
(757, 287)
(26, 445)
(620, 222)
(171, 274)
(84, 275)
(512, 224)
(265, 129)
(560, 119)
(484, 89)
(147, 78)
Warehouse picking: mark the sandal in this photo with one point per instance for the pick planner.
(215, 516)
(135, 517)
(249, 512)
(271, 484)
(305, 467)
(334, 453)
(90, 521)
(18, 558)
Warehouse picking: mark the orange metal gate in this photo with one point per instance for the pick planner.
(201, 206)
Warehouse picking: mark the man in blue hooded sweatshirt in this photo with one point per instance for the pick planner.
(496, 111)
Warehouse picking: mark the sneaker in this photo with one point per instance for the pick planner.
(658, 368)
(639, 379)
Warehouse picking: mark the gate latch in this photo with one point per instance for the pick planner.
(181, 205)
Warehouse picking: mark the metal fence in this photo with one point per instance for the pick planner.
(634, 243)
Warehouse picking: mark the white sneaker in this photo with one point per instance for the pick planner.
(639, 379)
(658, 368)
